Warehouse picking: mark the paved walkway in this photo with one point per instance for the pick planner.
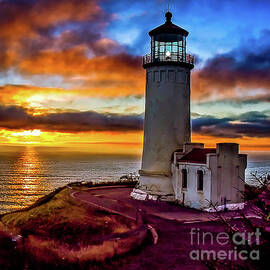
(117, 199)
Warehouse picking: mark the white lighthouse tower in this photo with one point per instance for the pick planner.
(173, 168)
(167, 109)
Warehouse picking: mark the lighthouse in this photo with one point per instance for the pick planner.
(173, 168)
(167, 107)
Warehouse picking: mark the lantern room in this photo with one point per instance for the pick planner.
(168, 44)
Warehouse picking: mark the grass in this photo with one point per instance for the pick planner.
(58, 228)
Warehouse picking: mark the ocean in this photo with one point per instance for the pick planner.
(29, 172)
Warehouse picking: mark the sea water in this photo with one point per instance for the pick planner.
(29, 173)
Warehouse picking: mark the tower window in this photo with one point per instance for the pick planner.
(200, 180)
(184, 178)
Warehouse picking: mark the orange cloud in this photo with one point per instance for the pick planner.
(108, 75)
(74, 62)
(25, 95)
(28, 27)
(31, 98)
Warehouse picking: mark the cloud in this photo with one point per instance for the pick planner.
(16, 118)
(44, 100)
(75, 62)
(66, 39)
(251, 124)
(238, 101)
(13, 117)
(22, 95)
(242, 69)
(22, 18)
(119, 74)
(28, 27)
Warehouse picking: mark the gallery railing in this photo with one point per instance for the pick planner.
(172, 57)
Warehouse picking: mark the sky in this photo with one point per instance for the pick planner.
(71, 71)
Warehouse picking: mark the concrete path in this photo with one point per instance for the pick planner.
(117, 199)
(106, 204)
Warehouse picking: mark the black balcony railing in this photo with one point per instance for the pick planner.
(173, 57)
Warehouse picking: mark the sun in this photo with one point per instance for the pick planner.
(35, 133)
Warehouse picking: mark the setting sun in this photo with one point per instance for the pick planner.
(34, 132)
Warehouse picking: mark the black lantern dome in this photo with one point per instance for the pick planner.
(168, 44)
(168, 27)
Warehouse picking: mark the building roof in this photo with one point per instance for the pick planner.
(197, 155)
(168, 27)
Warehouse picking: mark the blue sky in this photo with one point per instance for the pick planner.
(215, 26)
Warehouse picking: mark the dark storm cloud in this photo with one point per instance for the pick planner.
(13, 116)
(16, 118)
(247, 67)
(251, 124)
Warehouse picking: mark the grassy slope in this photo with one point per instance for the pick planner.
(59, 228)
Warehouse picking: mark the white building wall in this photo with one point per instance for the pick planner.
(230, 169)
(215, 184)
(228, 174)
(191, 196)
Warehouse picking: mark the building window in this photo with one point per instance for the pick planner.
(184, 178)
(200, 180)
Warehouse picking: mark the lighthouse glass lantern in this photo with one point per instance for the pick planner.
(168, 47)
(168, 44)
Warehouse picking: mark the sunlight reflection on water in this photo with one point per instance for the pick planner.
(28, 174)
(23, 184)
